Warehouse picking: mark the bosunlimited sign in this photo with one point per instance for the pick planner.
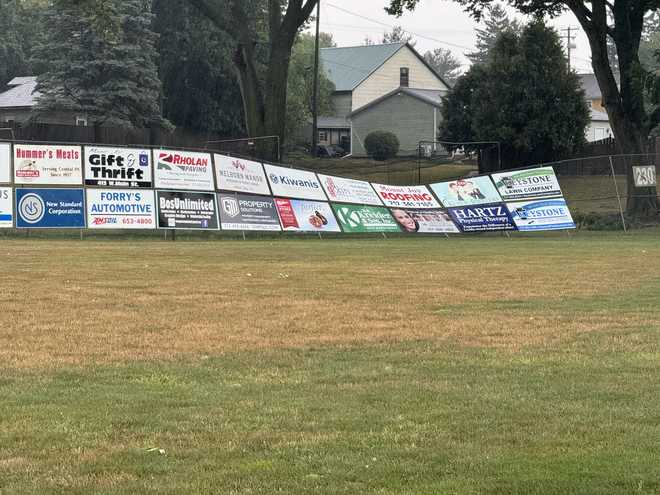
(527, 184)
(359, 218)
(424, 221)
(543, 214)
(247, 212)
(294, 183)
(344, 190)
(306, 216)
(239, 175)
(112, 209)
(484, 218)
(183, 170)
(6, 208)
(50, 208)
(5, 162)
(46, 164)
(464, 192)
(117, 167)
(406, 196)
(187, 210)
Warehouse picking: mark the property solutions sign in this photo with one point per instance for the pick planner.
(46, 164)
(6, 208)
(527, 184)
(239, 175)
(248, 212)
(183, 170)
(187, 210)
(117, 167)
(112, 209)
(358, 218)
(50, 208)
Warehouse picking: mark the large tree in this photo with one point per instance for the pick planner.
(524, 96)
(261, 54)
(623, 21)
(445, 64)
(496, 22)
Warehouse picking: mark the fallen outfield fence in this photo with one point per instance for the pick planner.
(64, 186)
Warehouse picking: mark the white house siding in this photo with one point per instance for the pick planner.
(598, 130)
(387, 78)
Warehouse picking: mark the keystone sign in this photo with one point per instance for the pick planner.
(45, 164)
(358, 218)
(406, 196)
(108, 209)
(344, 190)
(117, 167)
(464, 192)
(50, 208)
(239, 175)
(247, 212)
(6, 208)
(183, 170)
(527, 184)
(293, 183)
(544, 214)
(5, 163)
(482, 218)
(306, 216)
(424, 221)
(187, 210)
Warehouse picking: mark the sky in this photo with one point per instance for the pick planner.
(434, 24)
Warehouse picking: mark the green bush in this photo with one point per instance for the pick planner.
(381, 145)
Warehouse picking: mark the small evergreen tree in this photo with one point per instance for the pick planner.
(445, 64)
(497, 22)
(99, 59)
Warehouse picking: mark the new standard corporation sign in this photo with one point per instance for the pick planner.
(50, 208)
(294, 183)
(117, 167)
(239, 175)
(112, 209)
(247, 212)
(183, 170)
(47, 164)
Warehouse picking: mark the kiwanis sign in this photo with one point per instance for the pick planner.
(294, 183)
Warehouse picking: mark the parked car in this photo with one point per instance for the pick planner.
(330, 151)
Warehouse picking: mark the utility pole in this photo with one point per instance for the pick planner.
(569, 41)
(315, 96)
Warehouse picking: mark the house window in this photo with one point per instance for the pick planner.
(81, 121)
(600, 133)
(10, 119)
(404, 77)
(323, 136)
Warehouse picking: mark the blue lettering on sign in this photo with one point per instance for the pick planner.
(50, 208)
(550, 214)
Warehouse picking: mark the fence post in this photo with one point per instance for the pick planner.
(618, 196)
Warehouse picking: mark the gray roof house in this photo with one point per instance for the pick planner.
(386, 87)
(599, 126)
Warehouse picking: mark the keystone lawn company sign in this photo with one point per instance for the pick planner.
(187, 210)
(117, 167)
(543, 214)
(50, 208)
(293, 183)
(183, 170)
(6, 208)
(247, 212)
(482, 218)
(424, 221)
(306, 216)
(464, 192)
(527, 184)
(344, 190)
(239, 175)
(45, 164)
(108, 209)
(406, 196)
(5, 163)
(358, 218)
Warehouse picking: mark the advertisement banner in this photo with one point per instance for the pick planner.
(344, 190)
(46, 164)
(358, 218)
(183, 170)
(117, 167)
(247, 212)
(239, 175)
(5, 163)
(406, 196)
(424, 221)
(294, 183)
(187, 210)
(527, 184)
(306, 216)
(482, 218)
(465, 192)
(50, 208)
(107, 209)
(545, 214)
(6, 208)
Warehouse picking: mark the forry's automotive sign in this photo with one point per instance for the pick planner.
(183, 170)
(247, 212)
(113, 209)
(469, 191)
(306, 216)
(362, 218)
(424, 221)
(50, 208)
(484, 218)
(294, 183)
(527, 184)
(239, 175)
(187, 210)
(117, 167)
(543, 214)
(406, 196)
(47, 164)
(344, 190)
(6, 208)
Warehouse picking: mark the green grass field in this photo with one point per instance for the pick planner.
(421, 366)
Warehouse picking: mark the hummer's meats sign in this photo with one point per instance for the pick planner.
(117, 167)
(47, 164)
(406, 196)
(183, 170)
